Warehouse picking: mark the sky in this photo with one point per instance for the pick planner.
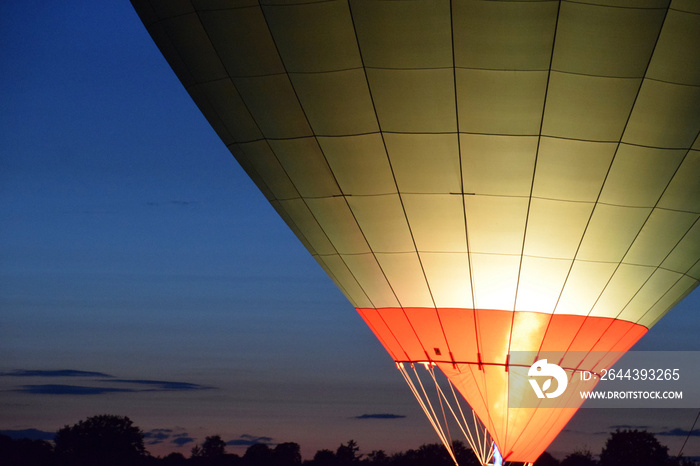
(143, 274)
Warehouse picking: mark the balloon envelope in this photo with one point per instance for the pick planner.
(477, 177)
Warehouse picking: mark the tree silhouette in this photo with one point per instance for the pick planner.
(681, 462)
(579, 458)
(348, 453)
(546, 459)
(377, 458)
(211, 452)
(104, 440)
(324, 458)
(258, 455)
(174, 459)
(286, 454)
(108, 440)
(213, 447)
(465, 456)
(639, 448)
(433, 454)
(25, 452)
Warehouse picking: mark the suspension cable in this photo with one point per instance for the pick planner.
(464, 427)
(432, 418)
(442, 435)
(690, 432)
(479, 442)
(478, 439)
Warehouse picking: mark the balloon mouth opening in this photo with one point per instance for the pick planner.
(503, 381)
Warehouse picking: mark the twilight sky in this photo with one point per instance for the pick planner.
(143, 274)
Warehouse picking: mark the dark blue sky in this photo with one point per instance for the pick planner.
(133, 245)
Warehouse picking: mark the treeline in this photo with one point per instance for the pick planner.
(114, 441)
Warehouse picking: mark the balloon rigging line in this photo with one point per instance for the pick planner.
(415, 392)
(480, 443)
(440, 397)
(442, 433)
(485, 446)
(464, 425)
(480, 452)
(688, 436)
(468, 435)
(433, 422)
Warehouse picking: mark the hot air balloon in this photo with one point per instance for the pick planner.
(479, 178)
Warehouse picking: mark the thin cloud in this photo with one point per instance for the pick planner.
(246, 440)
(380, 416)
(158, 434)
(53, 373)
(680, 432)
(57, 389)
(629, 427)
(31, 434)
(161, 385)
(180, 441)
(177, 436)
(573, 431)
(109, 385)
